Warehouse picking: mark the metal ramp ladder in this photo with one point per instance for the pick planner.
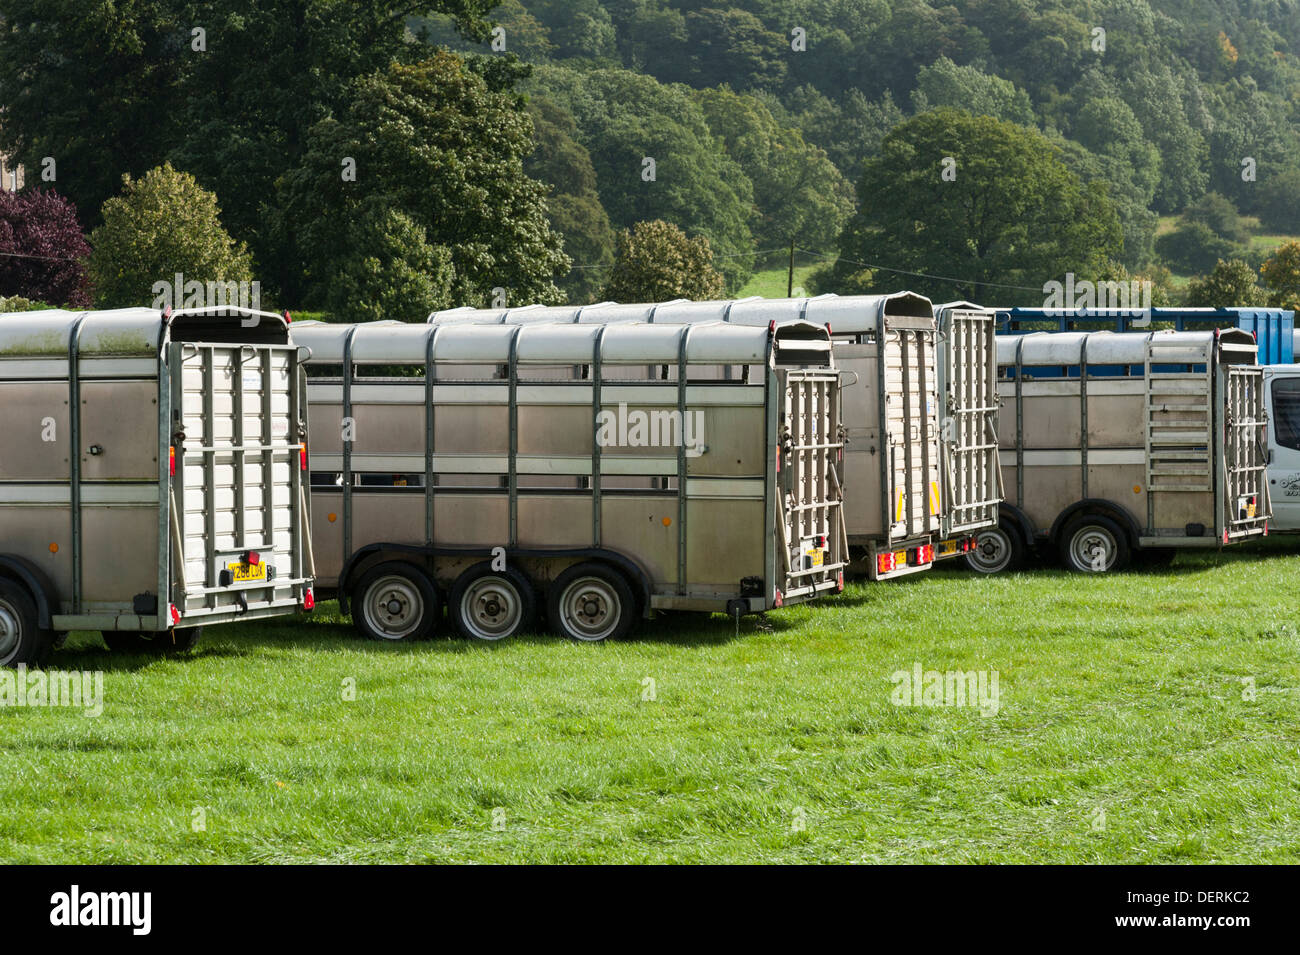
(1179, 419)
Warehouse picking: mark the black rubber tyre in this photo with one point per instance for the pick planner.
(395, 601)
(21, 638)
(1092, 544)
(997, 550)
(181, 639)
(487, 604)
(591, 602)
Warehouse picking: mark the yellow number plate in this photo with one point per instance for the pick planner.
(818, 557)
(947, 548)
(240, 573)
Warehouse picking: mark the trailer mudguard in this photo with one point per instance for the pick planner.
(1097, 505)
(35, 580)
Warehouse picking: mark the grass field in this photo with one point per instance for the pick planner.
(1122, 735)
(773, 283)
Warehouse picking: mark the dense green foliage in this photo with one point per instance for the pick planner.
(162, 225)
(656, 262)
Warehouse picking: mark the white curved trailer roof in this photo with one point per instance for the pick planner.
(398, 342)
(1117, 348)
(848, 313)
(125, 332)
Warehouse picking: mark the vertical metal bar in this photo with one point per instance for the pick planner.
(74, 457)
(886, 440)
(1083, 416)
(682, 481)
(773, 482)
(512, 479)
(347, 434)
(430, 433)
(238, 459)
(1020, 422)
(597, 405)
(166, 369)
(210, 475)
(1148, 385)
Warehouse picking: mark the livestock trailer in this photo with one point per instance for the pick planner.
(918, 492)
(1122, 444)
(1273, 328)
(679, 468)
(150, 480)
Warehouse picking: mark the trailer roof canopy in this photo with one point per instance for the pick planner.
(845, 314)
(1120, 348)
(635, 343)
(122, 332)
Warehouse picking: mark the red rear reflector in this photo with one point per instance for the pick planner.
(779, 600)
(839, 580)
(778, 459)
(288, 319)
(254, 558)
(302, 458)
(885, 563)
(171, 461)
(309, 600)
(175, 614)
(1225, 537)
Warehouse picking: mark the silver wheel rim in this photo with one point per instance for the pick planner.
(491, 608)
(11, 632)
(591, 609)
(393, 607)
(992, 551)
(1093, 549)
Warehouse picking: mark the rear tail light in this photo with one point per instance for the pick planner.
(309, 600)
(288, 319)
(302, 458)
(171, 460)
(252, 558)
(175, 614)
(885, 563)
(923, 554)
(778, 459)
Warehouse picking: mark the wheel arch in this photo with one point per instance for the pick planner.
(36, 581)
(1011, 516)
(1101, 508)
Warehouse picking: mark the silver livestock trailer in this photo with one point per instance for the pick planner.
(678, 468)
(903, 493)
(150, 475)
(1117, 445)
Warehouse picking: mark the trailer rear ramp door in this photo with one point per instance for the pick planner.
(240, 523)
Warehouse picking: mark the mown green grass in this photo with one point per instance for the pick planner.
(773, 283)
(1121, 694)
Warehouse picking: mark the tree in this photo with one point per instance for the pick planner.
(1279, 206)
(386, 269)
(1281, 273)
(163, 224)
(656, 158)
(799, 195)
(573, 207)
(656, 262)
(1193, 247)
(433, 140)
(1220, 215)
(1231, 283)
(944, 83)
(42, 249)
(986, 202)
(112, 86)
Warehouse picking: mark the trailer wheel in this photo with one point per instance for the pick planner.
(21, 638)
(591, 602)
(1094, 545)
(997, 549)
(487, 604)
(395, 601)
